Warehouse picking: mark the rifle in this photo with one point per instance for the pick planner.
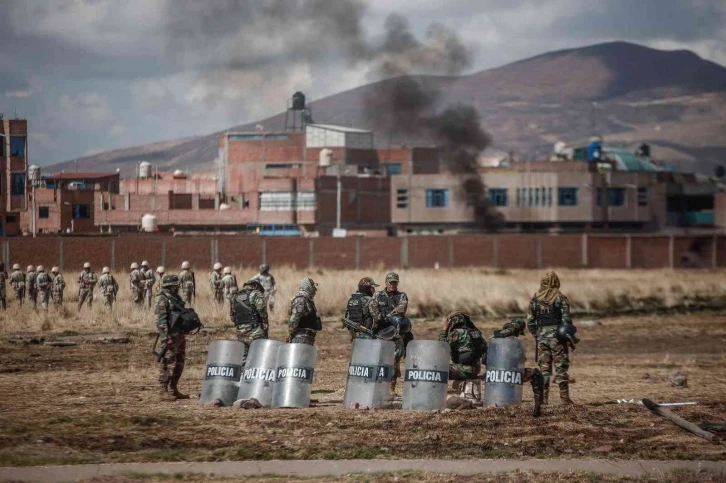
(385, 334)
(194, 287)
(159, 355)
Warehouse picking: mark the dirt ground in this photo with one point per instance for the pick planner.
(95, 403)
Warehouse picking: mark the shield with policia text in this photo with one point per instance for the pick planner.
(369, 373)
(222, 372)
(504, 372)
(426, 375)
(258, 376)
(294, 376)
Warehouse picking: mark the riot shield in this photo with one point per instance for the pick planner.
(369, 373)
(426, 375)
(505, 372)
(258, 377)
(223, 372)
(294, 376)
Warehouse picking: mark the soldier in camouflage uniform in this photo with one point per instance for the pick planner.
(187, 284)
(108, 287)
(467, 346)
(148, 280)
(3, 286)
(228, 281)
(30, 286)
(17, 281)
(358, 308)
(304, 321)
(86, 282)
(136, 283)
(385, 304)
(43, 285)
(248, 312)
(268, 283)
(57, 287)
(548, 309)
(172, 364)
(215, 282)
(515, 328)
(160, 272)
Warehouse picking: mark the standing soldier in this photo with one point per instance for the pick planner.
(58, 286)
(31, 287)
(3, 286)
(548, 310)
(17, 281)
(268, 283)
(228, 281)
(385, 305)
(304, 321)
(248, 312)
(86, 282)
(148, 279)
(358, 308)
(108, 287)
(174, 349)
(43, 282)
(136, 283)
(160, 271)
(215, 282)
(187, 284)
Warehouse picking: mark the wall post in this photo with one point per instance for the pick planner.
(495, 251)
(113, 255)
(163, 253)
(629, 251)
(311, 253)
(404, 252)
(357, 253)
(451, 252)
(60, 254)
(585, 242)
(539, 252)
(671, 251)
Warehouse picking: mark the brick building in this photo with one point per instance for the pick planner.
(13, 182)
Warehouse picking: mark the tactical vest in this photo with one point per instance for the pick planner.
(310, 321)
(546, 315)
(355, 310)
(477, 347)
(244, 313)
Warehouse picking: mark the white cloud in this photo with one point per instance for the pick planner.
(19, 94)
(90, 108)
(117, 130)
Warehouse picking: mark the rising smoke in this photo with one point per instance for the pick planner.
(269, 47)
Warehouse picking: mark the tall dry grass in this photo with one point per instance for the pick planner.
(432, 293)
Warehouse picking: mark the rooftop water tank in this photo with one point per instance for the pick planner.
(34, 172)
(145, 170)
(326, 157)
(179, 174)
(148, 223)
(224, 206)
(298, 101)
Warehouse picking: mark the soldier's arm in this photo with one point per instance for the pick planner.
(297, 312)
(261, 307)
(531, 321)
(161, 311)
(402, 306)
(273, 289)
(565, 309)
(443, 336)
(375, 310)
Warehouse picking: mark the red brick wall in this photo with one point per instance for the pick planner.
(561, 251)
(239, 252)
(288, 251)
(196, 251)
(338, 253)
(474, 251)
(517, 251)
(721, 252)
(77, 251)
(606, 252)
(650, 252)
(136, 249)
(38, 251)
(424, 252)
(692, 252)
(380, 253)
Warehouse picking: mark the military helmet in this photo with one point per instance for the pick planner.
(218, 266)
(185, 265)
(16, 266)
(367, 282)
(168, 281)
(566, 333)
(106, 270)
(392, 277)
(144, 263)
(160, 270)
(253, 282)
(227, 270)
(54, 270)
(30, 268)
(134, 266)
(517, 325)
(264, 267)
(457, 318)
(40, 268)
(87, 265)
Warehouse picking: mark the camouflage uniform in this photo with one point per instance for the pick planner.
(548, 309)
(57, 288)
(17, 281)
(86, 281)
(31, 288)
(3, 288)
(108, 287)
(248, 312)
(215, 282)
(186, 286)
(43, 284)
(228, 281)
(136, 283)
(304, 321)
(467, 346)
(383, 305)
(358, 309)
(268, 283)
(148, 279)
(172, 364)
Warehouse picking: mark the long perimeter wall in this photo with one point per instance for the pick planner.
(497, 251)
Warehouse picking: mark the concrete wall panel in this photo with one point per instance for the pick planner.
(196, 251)
(77, 251)
(425, 252)
(693, 251)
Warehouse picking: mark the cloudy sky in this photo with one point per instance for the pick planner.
(93, 75)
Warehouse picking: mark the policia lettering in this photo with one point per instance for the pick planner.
(259, 373)
(422, 375)
(231, 372)
(509, 377)
(303, 373)
(371, 373)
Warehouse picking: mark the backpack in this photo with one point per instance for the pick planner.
(183, 320)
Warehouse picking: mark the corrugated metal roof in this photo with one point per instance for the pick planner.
(72, 176)
(628, 161)
(332, 127)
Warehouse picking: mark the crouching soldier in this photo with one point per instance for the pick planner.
(467, 349)
(304, 322)
(248, 311)
(515, 328)
(108, 287)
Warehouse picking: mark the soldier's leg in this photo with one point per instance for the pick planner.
(33, 301)
(271, 304)
(108, 302)
(561, 361)
(89, 298)
(534, 377)
(44, 300)
(545, 366)
(179, 343)
(397, 364)
(81, 298)
(3, 301)
(304, 337)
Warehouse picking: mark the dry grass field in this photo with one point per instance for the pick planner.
(96, 402)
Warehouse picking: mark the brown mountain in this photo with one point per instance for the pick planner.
(629, 93)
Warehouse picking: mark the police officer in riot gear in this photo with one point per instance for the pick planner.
(358, 308)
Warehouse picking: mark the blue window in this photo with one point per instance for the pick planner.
(393, 169)
(498, 196)
(567, 196)
(246, 137)
(642, 196)
(276, 137)
(437, 198)
(17, 145)
(17, 184)
(81, 212)
(616, 196)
